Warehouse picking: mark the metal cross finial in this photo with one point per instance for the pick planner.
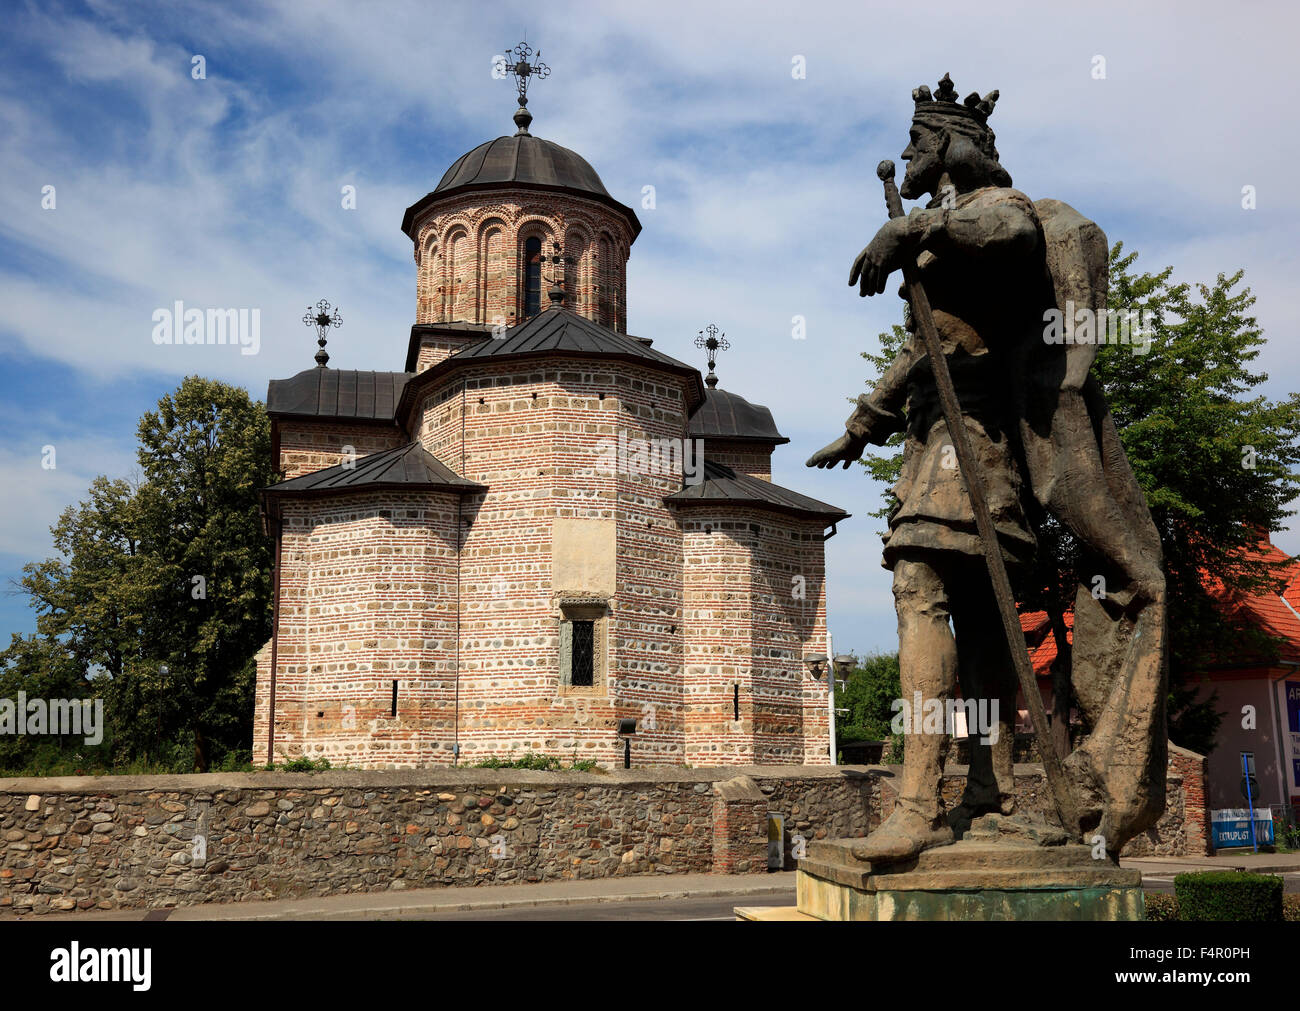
(714, 342)
(322, 319)
(522, 70)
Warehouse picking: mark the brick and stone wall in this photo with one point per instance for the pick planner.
(309, 446)
(1192, 808)
(435, 348)
(119, 842)
(752, 458)
(463, 609)
(367, 599)
(461, 600)
(470, 256)
(754, 607)
(1194, 769)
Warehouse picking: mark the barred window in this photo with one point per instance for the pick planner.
(582, 644)
(583, 669)
(532, 276)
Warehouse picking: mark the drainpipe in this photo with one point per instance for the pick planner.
(460, 502)
(830, 692)
(455, 736)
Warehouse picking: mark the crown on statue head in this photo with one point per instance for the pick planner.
(944, 103)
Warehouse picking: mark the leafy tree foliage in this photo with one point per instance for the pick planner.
(868, 694)
(167, 573)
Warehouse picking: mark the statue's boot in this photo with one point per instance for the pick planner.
(903, 835)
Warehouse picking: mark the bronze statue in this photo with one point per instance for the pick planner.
(984, 267)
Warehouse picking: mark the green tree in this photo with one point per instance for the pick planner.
(171, 572)
(1215, 460)
(869, 692)
(43, 669)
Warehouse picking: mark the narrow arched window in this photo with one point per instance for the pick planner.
(532, 276)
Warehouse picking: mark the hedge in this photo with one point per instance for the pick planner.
(1229, 895)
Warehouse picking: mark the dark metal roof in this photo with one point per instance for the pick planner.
(726, 415)
(722, 485)
(565, 330)
(406, 467)
(452, 329)
(555, 332)
(337, 393)
(521, 160)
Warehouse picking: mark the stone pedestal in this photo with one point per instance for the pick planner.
(970, 880)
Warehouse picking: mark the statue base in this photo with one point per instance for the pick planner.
(969, 880)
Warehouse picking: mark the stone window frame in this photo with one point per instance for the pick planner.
(585, 608)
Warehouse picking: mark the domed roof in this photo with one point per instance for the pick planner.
(521, 161)
(523, 158)
(726, 415)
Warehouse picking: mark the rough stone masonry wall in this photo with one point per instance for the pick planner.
(132, 842)
(1184, 828)
(120, 842)
(1195, 772)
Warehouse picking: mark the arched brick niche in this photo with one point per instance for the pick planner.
(472, 257)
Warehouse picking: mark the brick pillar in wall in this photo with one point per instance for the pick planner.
(739, 827)
(1194, 769)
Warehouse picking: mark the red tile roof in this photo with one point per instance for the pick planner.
(1268, 611)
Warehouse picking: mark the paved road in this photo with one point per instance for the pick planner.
(679, 897)
(1165, 882)
(708, 908)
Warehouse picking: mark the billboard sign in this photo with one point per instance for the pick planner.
(1231, 827)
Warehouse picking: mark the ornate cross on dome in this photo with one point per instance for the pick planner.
(322, 319)
(714, 342)
(522, 70)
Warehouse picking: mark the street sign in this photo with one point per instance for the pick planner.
(1231, 827)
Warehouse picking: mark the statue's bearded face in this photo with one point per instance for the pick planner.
(924, 164)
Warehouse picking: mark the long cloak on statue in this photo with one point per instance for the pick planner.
(1078, 471)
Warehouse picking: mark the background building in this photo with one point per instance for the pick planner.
(514, 542)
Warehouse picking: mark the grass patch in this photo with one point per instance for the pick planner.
(537, 763)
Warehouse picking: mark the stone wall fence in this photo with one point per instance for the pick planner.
(140, 842)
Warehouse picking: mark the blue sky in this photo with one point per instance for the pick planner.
(226, 191)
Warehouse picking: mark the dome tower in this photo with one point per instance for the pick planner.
(511, 218)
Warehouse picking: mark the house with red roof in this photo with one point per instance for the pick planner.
(1257, 696)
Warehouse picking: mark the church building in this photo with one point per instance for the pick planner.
(543, 533)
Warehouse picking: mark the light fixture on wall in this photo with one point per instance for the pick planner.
(816, 665)
(626, 728)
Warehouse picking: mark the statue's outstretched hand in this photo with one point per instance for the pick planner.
(881, 258)
(845, 449)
